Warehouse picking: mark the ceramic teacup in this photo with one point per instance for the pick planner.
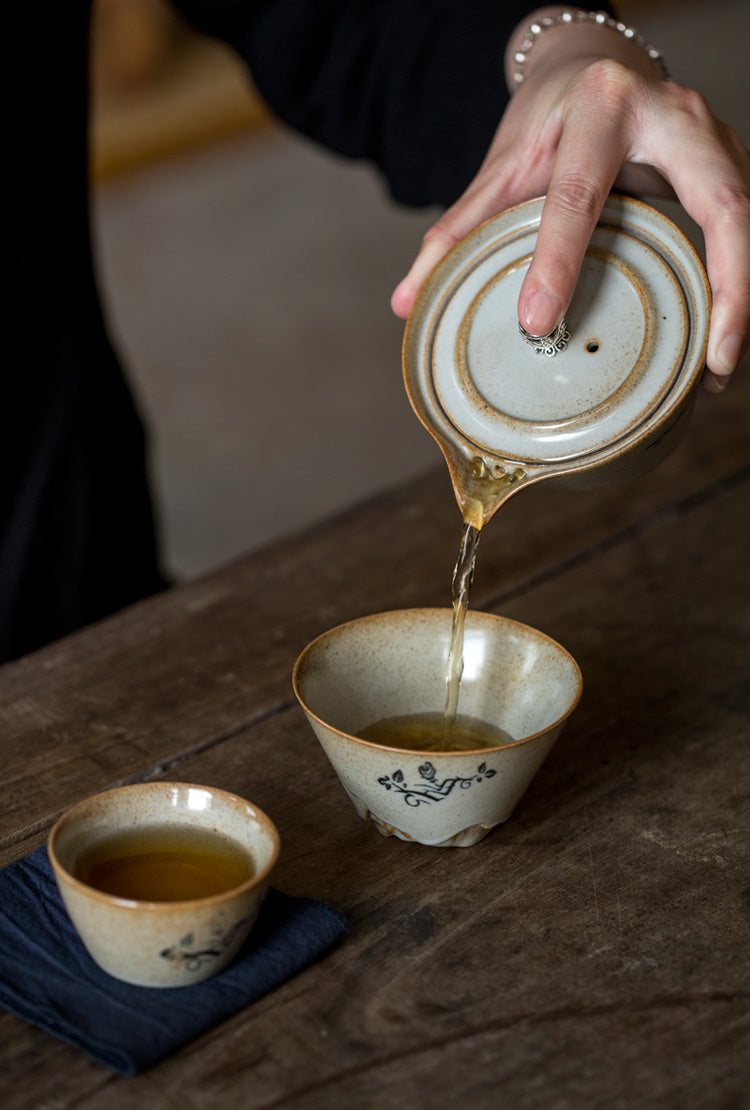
(156, 943)
(394, 664)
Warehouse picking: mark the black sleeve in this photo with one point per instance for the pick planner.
(414, 86)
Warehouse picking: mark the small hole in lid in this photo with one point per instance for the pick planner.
(592, 346)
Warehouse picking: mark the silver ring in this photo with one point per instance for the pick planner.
(549, 344)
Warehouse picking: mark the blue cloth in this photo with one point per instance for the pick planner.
(48, 978)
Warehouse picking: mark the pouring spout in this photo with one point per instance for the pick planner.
(480, 488)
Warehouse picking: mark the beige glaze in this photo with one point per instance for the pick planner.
(608, 407)
(391, 664)
(163, 944)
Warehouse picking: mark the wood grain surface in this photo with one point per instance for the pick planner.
(591, 952)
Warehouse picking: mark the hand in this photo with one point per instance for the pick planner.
(590, 115)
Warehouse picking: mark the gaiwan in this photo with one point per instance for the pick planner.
(606, 401)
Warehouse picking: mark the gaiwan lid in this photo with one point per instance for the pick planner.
(638, 326)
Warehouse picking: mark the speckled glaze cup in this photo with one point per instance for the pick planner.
(163, 944)
(606, 403)
(392, 664)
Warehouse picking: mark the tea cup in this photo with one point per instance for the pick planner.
(163, 943)
(388, 665)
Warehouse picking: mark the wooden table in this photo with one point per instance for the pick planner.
(592, 952)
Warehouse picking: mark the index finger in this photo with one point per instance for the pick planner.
(590, 155)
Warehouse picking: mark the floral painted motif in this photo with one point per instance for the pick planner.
(429, 789)
(186, 954)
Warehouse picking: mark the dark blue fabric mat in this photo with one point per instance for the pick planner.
(48, 978)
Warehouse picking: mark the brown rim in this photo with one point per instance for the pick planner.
(472, 615)
(254, 881)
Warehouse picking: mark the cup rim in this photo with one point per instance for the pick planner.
(472, 614)
(256, 879)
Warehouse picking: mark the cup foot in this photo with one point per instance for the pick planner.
(462, 839)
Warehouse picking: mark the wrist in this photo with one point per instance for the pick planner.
(562, 34)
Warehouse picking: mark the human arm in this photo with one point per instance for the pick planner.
(593, 112)
(415, 87)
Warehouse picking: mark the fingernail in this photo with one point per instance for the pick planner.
(400, 301)
(714, 384)
(543, 312)
(728, 353)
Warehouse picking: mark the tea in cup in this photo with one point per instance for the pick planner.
(163, 880)
(518, 688)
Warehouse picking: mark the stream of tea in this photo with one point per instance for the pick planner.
(479, 495)
(463, 576)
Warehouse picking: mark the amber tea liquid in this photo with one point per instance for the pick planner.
(164, 863)
(480, 494)
(425, 732)
(463, 576)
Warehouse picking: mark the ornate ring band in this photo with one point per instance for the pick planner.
(550, 344)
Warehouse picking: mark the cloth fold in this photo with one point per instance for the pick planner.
(48, 978)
